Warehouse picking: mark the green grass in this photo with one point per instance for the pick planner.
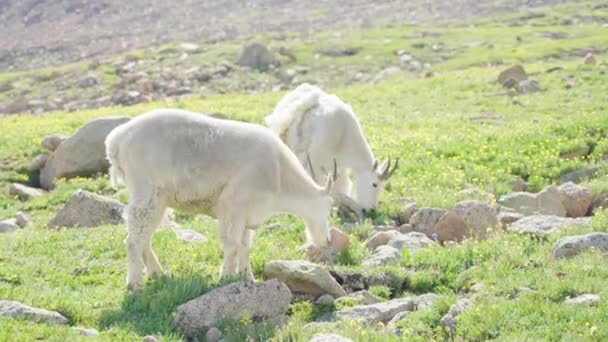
(426, 122)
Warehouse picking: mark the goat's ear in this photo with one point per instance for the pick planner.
(329, 184)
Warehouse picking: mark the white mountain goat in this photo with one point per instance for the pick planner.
(319, 127)
(238, 172)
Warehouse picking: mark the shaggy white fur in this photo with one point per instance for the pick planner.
(319, 127)
(238, 172)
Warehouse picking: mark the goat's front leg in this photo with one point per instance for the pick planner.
(230, 235)
(244, 266)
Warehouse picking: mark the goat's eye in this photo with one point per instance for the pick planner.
(375, 185)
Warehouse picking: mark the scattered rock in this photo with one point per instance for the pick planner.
(214, 335)
(88, 81)
(405, 228)
(517, 185)
(555, 68)
(149, 338)
(573, 245)
(13, 309)
(528, 86)
(327, 337)
(86, 209)
(380, 238)
(362, 297)
(478, 217)
(506, 218)
(256, 56)
(575, 199)
(380, 312)
(425, 219)
(325, 299)
(233, 302)
(545, 224)
(512, 76)
(383, 255)
(578, 153)
(411, 241)
(578, 175)
(86, 331)
(477, 288)
(189, 235)
(409, 209)
(22, 219)
(340, 52)
(38, 162)
(52, 142)
(547, 202)
(24, 192)
(190, 48)
(82, 154)
(584, 299)
(449, 320)
(451, 227)
(304, 277)
(589, 59)
(9, 225)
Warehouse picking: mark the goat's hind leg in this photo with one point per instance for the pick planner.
(244, 266)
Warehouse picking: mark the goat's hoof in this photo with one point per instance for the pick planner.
(156, 274)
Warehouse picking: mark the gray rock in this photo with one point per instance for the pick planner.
(451, 227)
(411, 241)
(325, 299)
(584, 299)
(517, 184)
(449, 321)
(13, 309)
(547, 202)
(575, 199)
(506, 218)
(409, 209)
(82, 154)
(380, 238)
(326, 337)
(86, 331)
(304, 277)
(259, 301)
(425, 219)
(578, 175)
(189, 235)
(213, 335)
(38, 162)
(149, 338)
(9, 225)
(545, 224)
(573, 245)
(88, 81)
(528, 86)
(362, 297)
(22, 219)
(86, 209)
(24, 192)
(383, 255)
(512, 76)
(478, 217)
(380, 312)
(392, 324)
(256, 56)
(405, 228)
(53, 141)
(550, 202)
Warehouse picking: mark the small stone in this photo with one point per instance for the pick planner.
(589, 59)
(578, 175)
(380, 238)
(383, 255)
(38, 162)
(213, 335)
(425, 219)
(545, 224)
(477, 288)
(189, 235)
(411, 241)
(584, 299)
(449, 320)
(24, 192)
(9, 225)
(13, 309)
(327, 337)
(325, 299)
(86, 209)
(575, 199)
(149, 338)
(409, 209)
(304, 277)
(362, 297)
(517, 184)
(569, 246)
(528, 87)
(86, 331)
(22, 219)
(514, 74)
(450, 227)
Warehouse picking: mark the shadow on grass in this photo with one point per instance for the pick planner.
(150, 311)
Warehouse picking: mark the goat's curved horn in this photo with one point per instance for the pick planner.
(335, 174)
(385, 171)
(375, 166)
(390, 173)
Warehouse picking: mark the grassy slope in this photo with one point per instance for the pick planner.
(423, 121)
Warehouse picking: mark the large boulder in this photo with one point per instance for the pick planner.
(451, 227)
(478, 217)
(545, 224)
(424, 220)
(304, 277)
(82, 154)
(573, 245)
(575, 199)
(13, 309)
(86, 209)
(259, 301)
(256, 56)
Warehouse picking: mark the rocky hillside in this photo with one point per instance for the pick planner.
(38, 33)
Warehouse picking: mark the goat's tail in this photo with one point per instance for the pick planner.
(112, 149)
(292, 106)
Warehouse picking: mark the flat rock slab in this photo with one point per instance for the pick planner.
(259, 301)
(585, 299)
(546, 224)
(13, 309)
(304, 277)
(24, 192)
(569, 246)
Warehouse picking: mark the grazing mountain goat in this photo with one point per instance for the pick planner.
(237, 172)
(319, 127)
